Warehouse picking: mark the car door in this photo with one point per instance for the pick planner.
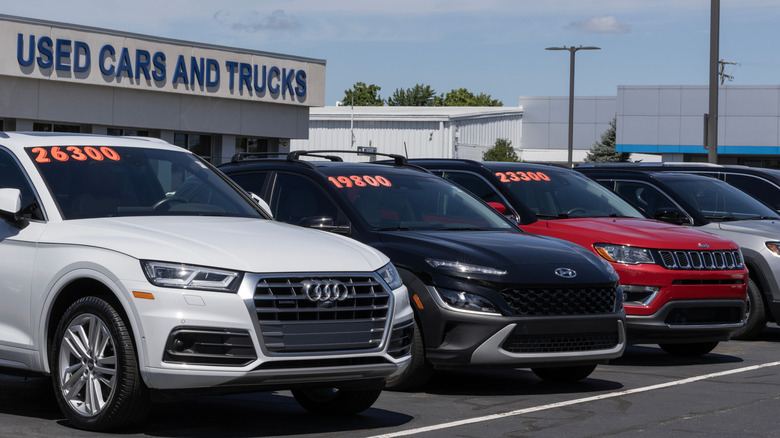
(18, 245)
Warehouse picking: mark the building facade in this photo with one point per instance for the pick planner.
(668, 121)
(415, 132)
(211, 99)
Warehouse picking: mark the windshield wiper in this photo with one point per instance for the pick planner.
(724, 218)
(463, 229)
(760, 218)
(395, 229)
(552, 216)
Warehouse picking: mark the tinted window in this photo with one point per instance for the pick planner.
(475, 185)
(296, 198)
(555, 194)
(644, 196)
(717, 200)
(756, 187)
(415, 201)
(250, 181)
(13, 177)
(91, 182)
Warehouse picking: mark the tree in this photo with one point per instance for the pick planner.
(604, 151)
(365, 95)
(419, 95)
(501, 151)
(463, 97)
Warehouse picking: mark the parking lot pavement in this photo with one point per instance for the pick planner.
(733, 391)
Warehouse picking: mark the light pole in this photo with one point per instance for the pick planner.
(572, 50)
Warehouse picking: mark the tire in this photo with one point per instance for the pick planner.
(689, 350)
(419, 371)
(755, 314)
(334, 401)
(564, 374)
(93, 359)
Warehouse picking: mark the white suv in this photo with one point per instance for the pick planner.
(130, 264)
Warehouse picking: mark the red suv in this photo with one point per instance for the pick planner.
(684, 289)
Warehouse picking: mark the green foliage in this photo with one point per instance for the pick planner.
(604, 151)
(419, 95)
(364, 95)
(463, 97)
(501, 151)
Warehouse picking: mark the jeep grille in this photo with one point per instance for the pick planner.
(701, 260)
(290, 322)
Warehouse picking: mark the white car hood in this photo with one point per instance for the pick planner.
(766, 228)
(249, 245)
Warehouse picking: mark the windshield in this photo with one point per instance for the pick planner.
(719, 201)
(412, 201)
(559, 195)
(92, 182)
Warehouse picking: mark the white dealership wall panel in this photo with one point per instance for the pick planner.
(667, 120)
(416, 132)
(99, 79)
(546, 126)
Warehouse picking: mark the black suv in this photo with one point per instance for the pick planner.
(711, 205)
(760, 183)
(483, 291)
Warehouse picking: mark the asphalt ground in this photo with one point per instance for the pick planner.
(733, 391)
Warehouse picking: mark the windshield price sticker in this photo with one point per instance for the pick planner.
(506, 177)
(58, 153)
(359, 181)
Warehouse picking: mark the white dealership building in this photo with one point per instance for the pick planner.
(211, 99)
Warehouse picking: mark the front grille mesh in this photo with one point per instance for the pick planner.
(291, 323)
(701, 260)
(520, 343)
(561, 301)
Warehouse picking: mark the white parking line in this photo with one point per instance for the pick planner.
(573, 402)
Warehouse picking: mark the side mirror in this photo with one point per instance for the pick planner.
(261, 202)
(671, 215)
(325, 223)
(11, 206)
(499, 207)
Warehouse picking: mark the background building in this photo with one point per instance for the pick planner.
(416, 132)
(213, 100)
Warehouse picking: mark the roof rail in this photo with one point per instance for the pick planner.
(241, 156)
(295, 155)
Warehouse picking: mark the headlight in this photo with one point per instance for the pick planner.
(391, 276)
(466, 301)
(774, 247)
(190, 277)
(464, 268)
(624, 254)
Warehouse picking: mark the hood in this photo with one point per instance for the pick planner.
(768, 228)
(249, 245)
(527, 258)
(645, 233)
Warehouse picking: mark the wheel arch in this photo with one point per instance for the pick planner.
(75, 285)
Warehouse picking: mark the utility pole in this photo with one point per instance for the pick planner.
(711, 141)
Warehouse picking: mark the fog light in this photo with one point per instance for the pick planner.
(634, 295)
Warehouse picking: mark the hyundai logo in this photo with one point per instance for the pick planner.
(325, 290)
(566, 272)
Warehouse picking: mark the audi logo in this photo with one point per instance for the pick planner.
(566, 272)
(325, 290)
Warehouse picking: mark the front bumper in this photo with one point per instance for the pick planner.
(687, 321)
(456, 339)
(222, 325)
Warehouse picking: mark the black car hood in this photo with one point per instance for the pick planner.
(527, 258)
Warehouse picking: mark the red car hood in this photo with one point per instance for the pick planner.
(644, 233)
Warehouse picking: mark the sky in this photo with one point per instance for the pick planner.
(496, 47)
